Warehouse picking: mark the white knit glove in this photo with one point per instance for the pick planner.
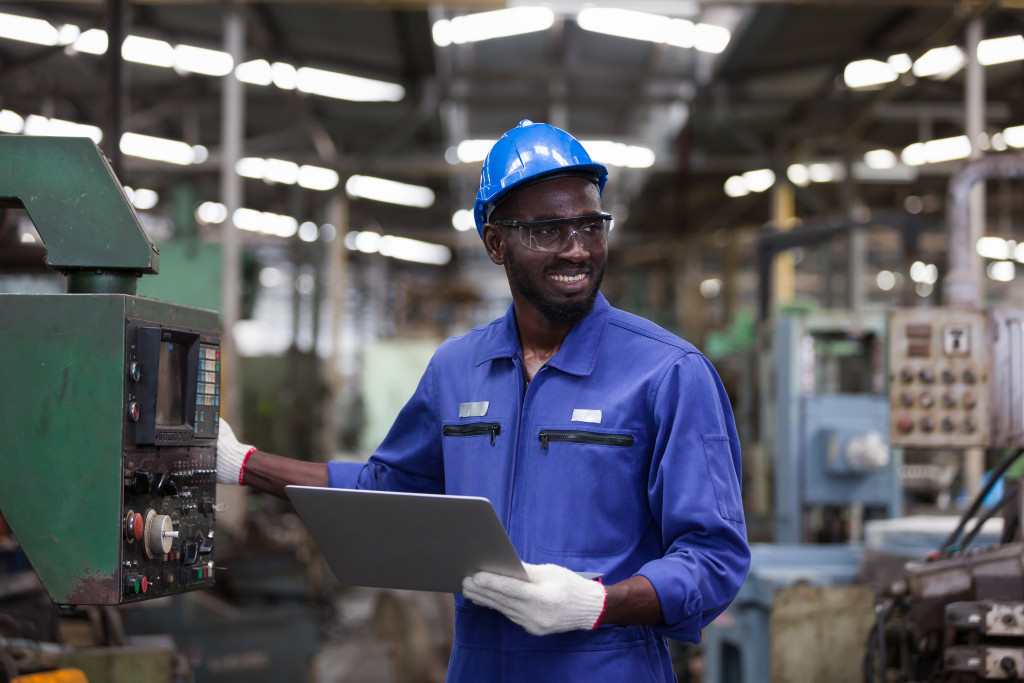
(231, 456)
(555, 599)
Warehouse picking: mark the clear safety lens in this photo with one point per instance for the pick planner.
(553, 235)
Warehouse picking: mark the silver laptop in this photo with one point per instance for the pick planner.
(412, 541)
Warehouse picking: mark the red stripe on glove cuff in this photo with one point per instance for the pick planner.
(245, 461)
(604, 607)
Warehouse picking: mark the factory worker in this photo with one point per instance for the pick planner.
(605, 443)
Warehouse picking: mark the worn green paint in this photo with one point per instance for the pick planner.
(76, 203)
(62, 374)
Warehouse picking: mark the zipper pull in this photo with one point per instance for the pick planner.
(494, 432)
(544, 442)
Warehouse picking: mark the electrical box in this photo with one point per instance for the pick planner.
(956, 377)
(108, 443)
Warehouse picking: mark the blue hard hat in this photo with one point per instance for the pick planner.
(528, 153)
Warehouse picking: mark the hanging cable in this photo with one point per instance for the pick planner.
(978, 499)
(1010, 496)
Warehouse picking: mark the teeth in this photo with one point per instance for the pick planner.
(568, 278)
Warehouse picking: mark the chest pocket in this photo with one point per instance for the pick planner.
(588, 491)
(473, 429)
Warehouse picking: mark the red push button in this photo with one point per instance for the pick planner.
(145, 584)
(905, 424)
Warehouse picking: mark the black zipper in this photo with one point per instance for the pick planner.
(473, 429)
(576, 436)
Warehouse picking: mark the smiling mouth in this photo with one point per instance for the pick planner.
(569, 278)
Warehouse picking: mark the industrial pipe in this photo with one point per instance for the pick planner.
(962, 288)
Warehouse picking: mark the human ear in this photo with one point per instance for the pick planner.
(494, 243)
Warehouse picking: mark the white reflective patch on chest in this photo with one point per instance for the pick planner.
(473, 409)
(581, 415)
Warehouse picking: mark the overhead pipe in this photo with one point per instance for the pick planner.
(962, 287)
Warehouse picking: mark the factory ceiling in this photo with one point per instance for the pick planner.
(774, 97)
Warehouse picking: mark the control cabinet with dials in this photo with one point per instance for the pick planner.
(109, 443)
(956, 377)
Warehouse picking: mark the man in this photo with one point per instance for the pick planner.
(606, 445)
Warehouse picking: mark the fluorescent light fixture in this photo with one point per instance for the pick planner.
(148, 51)
(11, 122)
(993, 248)
(382, 190)
(157, 149)
(1014, 136)
(625, 23)
(250, 167)
(265, 222)
(1001, 50)
(683, 33)
(655, 28)
(759, 180)
(880, 159)
(211, 213)
(463, 220)
(142, 198)
(308, 232)
(798, 175)
(736, 186)
(284, 75)
(866, 73)
(68, 34)
(93, 42)
(900, 63)
(202, 61)
(281, 171)
(886, 280)
(939, 62)
(367, 242)
(710, 38)
(1001, 271)
(619, 154)
(414, 250)
(937, 151)
(345, 87)
(711, 288)
(489, 25)
(824, 172)
(470, 151)
(1018, 253)
(40, 125)
(927, 273)
(256, 72)
(28, 30)
(317, 178)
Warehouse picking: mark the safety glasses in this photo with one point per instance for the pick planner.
(553, 235)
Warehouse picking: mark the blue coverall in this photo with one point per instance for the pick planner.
(619, 457)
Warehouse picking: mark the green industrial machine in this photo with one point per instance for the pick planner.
(108, 401)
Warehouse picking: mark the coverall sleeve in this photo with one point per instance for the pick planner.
(694, 493)
(410, 458)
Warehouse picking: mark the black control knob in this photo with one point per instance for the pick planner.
(168, 487)
(906, 375)
(926, 376)
(948, 425)
(970, 376)
(948, 376)
(948, 400)
(927, 424)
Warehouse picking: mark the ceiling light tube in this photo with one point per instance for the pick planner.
(255, 72)
(93, 42)
(346, 87)
(202, 61)
(940, 62)
(1001, 50)
(736, 186)
(759, 180)
(148, 51)
(865, 73)
(11, 122)
(28, 30)
(157, 149)
(489, 25)
(1014, 136)
(710, 38)
(40, 125)
(281, 171)
(625, 23)
(414, 250)
(880, 159)
(317, 178)
(382, 190)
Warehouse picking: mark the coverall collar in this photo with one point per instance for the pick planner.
(578, 353)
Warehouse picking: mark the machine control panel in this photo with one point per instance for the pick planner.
(172, 395)
(939, 378)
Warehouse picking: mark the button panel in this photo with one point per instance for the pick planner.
(938, 377)
(208, 392)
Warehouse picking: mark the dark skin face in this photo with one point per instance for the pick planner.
(550, 291)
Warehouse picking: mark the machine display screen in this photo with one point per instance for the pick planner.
(169, 404)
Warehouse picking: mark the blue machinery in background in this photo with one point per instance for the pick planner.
(825, 419)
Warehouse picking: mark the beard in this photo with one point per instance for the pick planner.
(556, 312)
